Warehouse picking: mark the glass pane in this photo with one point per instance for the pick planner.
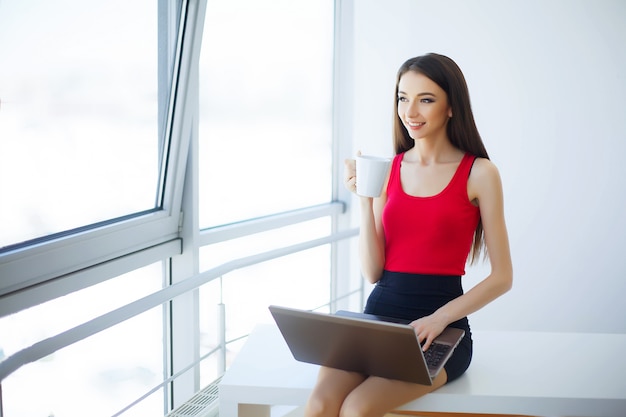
(265, 108)
(299, 280)
(219, 253)
(78, 114)
(105, 372)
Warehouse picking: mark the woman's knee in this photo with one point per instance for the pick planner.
(320, 406)
(355, 408)
(332, 387)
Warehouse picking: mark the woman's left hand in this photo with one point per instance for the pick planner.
(427, 329)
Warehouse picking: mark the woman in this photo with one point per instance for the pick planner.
(442, 204)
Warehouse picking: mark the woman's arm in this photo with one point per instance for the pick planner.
(371, 236)
(484, 186)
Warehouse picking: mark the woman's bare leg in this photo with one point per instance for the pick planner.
(331, 389)
(375, 396)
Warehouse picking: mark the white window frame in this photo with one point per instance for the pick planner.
(35, 274)
(48, 261)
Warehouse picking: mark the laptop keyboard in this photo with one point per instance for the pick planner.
(433, 356)
(435, 353)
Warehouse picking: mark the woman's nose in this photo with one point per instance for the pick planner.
(411, 109)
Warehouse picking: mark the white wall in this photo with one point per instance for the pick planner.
(548, 86)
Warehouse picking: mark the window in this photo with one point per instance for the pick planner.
(78, 114)
(84, 95)
(106, 371)
(301, 279)
(265, 167)
(265, 108)
(265, 150)
(85, 116)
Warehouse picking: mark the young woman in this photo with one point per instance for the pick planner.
(442, 204)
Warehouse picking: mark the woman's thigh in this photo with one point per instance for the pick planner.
(331, 389)
(375, 396)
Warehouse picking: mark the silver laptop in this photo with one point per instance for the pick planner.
(369, 344)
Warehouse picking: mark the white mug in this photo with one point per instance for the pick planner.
(371, 172)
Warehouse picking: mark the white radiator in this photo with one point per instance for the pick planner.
(204, 404)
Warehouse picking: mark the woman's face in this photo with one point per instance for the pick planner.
(422, 106)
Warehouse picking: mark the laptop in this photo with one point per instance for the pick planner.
(364, 343)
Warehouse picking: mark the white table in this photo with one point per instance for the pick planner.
(533, 373)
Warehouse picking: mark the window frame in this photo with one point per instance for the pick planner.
(32, 264)
(30, 275)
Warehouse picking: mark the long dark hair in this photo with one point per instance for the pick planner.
(461, 129)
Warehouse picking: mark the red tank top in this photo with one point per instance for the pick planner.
(429, 235)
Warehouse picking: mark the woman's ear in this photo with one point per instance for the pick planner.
(450, 112)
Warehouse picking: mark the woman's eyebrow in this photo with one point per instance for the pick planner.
(425, 93)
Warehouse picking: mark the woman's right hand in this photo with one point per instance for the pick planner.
(350, 174)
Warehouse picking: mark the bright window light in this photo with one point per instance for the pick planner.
(78, 114)
(265, 108)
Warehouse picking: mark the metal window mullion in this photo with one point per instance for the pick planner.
(248, 227)
(31, 266)
(343, 47)
(181, 196)
(49, 290)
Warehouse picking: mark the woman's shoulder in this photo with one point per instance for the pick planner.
(484, 175)
(484, 166)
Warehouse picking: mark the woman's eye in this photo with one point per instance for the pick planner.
(402, 99)
(427, 100)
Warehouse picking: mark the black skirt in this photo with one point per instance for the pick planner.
(412, 296)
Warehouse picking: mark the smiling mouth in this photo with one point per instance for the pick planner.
(416, 124)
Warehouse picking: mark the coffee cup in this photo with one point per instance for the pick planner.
(371, 172)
